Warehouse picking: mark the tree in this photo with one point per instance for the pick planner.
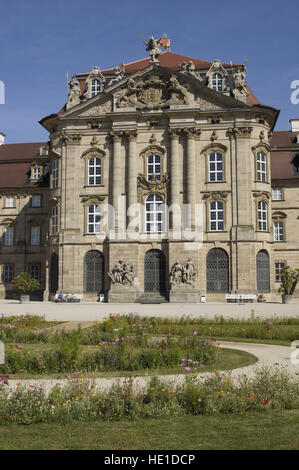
(25, 284)
(289, 278)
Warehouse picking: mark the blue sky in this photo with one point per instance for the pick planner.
(41, 41)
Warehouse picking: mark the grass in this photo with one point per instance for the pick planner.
(230, 359)
(269, 430)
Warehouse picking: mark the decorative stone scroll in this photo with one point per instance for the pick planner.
(122, 273)
(146, 187)
(153, 92)
(183, 273)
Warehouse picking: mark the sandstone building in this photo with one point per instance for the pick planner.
(163, 180)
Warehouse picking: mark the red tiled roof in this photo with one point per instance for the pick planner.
(283, 139)
(24, 151)
(281, 157)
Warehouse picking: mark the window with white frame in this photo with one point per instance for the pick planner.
(7, 273)
(10, 201)
(154, 213)
(94, 171)
(276, 194)
(262, 216)
(35, 235)
(55, 174)
(9, 236)
(278, 231)
(94, 218)
(217, 82)
(36, 173)
(278, 268)
(153, 167)
(34, 271)
(95, 87)
(215, 167)
(54, 221)
(36, 201)
(261, 166)
(216, 216)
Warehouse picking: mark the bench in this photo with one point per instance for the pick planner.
(240, 297)
(69, 298)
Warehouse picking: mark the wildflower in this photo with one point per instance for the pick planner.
(195, 333)
(265, 402)
(199, 400)
(19, 346)
(153, 389)
(76, 398)
(163, 390)
(251, 398)
(222, 393)
(18, 383)
(173, 391)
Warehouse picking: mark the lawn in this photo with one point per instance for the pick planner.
(268, 430)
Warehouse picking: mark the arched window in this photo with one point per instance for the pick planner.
(153, 167)
(216, 216)
(217, 82)
(95, 87)
(261, 166)
(94, 272)
(154, 213)
(217, 271)
(262, 214)
(263, 271)
(94, 218)
(215, 166)
(94, 171)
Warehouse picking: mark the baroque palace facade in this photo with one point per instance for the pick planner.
(163, 180)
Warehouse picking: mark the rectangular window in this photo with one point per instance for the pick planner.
(277, 194)
(216, 216)
(55, 174)
(36, 201)
(34, 271)
(261, 166)
(262, 216)
(9, 236)
(36, 173)
(54, 221)
(7, 275)
(94, 218)
(215, 167)
(35, 236)
(94, 171)
(278, 231)
(278, 268)
(153, 167)
(10, 201)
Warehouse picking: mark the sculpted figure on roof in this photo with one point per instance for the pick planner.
(74, 93)
(153, 46)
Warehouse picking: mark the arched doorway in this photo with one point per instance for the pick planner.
(54, 273)
(217, 271)
(263, 271)
(94, 277)
(155, 272)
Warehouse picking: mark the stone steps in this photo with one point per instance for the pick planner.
(151, 298)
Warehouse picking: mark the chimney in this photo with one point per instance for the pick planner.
(2, 138)
(295, 127)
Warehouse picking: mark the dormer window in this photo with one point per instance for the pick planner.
(217, 82)
(95, 87)
(36, 171)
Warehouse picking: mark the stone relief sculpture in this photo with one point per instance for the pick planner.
(74, 93)
(122, 273)
(183, 273)
(153, 92)
(119, 74)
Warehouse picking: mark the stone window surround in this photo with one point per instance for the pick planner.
(215, 198)
(36, 166)
(280, 217)
(153, 150)
(279, 261)
(95, 153)
(259, 200)
(265, 148)
(5, 206)
(56, 179)
(41, 201)
(282, 193)
(9, 223)
(35, 223)
(207, 151)
(57, 207)
(39, 265)
(89, 201)
(155, 212)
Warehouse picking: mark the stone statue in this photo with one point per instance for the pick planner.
(240, 82)
(153, 46)
(183, 274)
(74, 93)
(178, 93)
(122, 273)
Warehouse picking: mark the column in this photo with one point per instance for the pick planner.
(117, 177)
(175, 182)
(132, 175)
(192, 136)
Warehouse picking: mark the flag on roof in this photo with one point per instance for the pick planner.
(165, 43)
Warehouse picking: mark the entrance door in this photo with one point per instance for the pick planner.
(155, 272)
(263, 271)
(54, 273)
(94, 272)
(217, 271)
